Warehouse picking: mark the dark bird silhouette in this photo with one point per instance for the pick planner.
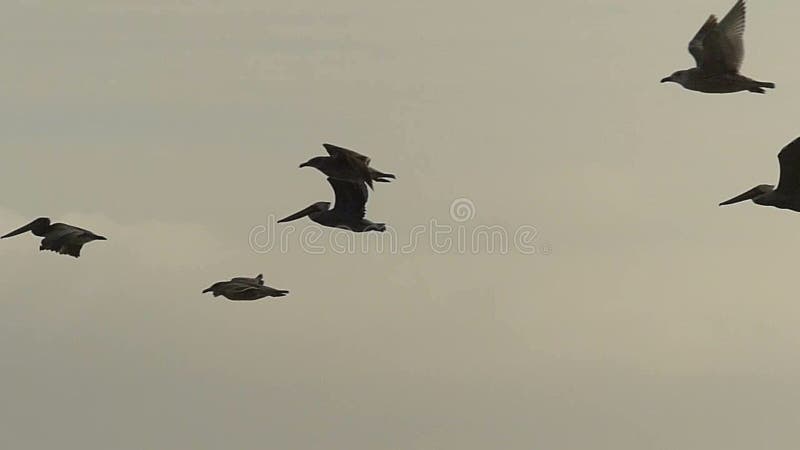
(347, 165)
(718, 51)
(242, 288)
(347, 213)
(58, 237)
(787, 194)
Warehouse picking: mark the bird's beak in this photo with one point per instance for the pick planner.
(101, 238)
(305, 164)
(17, 231)
(752, 193)
(207, 290)
(664, 80)
(298, 214)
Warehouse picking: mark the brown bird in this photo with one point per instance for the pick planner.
(242, 288)
(58, 237)
(718, 51)
(347, 213)
(347, 165)
(787, 194)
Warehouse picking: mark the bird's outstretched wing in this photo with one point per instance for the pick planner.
(257, 281)
(341, 152)
(789, 159)
(351, 197)
(357, 162)
(719, 47)
(696, 46)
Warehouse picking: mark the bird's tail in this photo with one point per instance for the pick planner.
(382, 177)
(759, 85)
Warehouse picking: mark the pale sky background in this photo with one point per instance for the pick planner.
(658, 320)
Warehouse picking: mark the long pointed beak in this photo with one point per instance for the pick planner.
(208, 290)
(101, 238)
(664, 80)
(305, 164)
(17, 231)
(749, 195)
(298, 215)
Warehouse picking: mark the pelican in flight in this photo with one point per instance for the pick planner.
(787, 194)
(58, 237)
(347, 165)
(718, 51)
(242, 288)
(347, 213)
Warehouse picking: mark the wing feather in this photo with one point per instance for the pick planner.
(351, 197)
(789, 159)
(719, 47)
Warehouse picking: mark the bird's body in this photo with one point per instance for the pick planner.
(58, 237)
(722, 83)
(241, 288)
(718, 51)
(787, 194)
(348, 212)
(347, 165)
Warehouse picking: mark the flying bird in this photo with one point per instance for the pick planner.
(347, 165)
(58, 237)
(347, 213)
(242, 288)
(787, 194)
(718, 51)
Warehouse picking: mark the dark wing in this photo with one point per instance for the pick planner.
(696, 44)
(789, 158)
(257, 281)
(719, 48)
(244, 291)
(351, 197)
(356, 161)
(341, 152)
(64, 239)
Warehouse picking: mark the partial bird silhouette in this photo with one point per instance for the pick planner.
(58, 237)
(787, 194)
(348, 212)
(347, 165)
(242, 288)
(718, 51)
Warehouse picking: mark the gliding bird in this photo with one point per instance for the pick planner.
(347, 165)
(58, 237)
(718, 51)
(347, 213)
(241, 288)
(787, 194)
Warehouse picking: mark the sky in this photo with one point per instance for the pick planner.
(639, 316)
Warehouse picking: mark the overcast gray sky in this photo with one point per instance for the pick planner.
(656, 320)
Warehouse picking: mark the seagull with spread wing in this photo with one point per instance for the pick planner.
(348, 165)
(58, 237)
(787, 194)
(718, 50)
(348, 212)
(242, 288)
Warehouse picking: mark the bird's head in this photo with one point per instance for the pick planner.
(321, 206)
(37, 227)
(676, 77)
(313, 209)
(315, 162)
(214, 289)
(757, 195)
